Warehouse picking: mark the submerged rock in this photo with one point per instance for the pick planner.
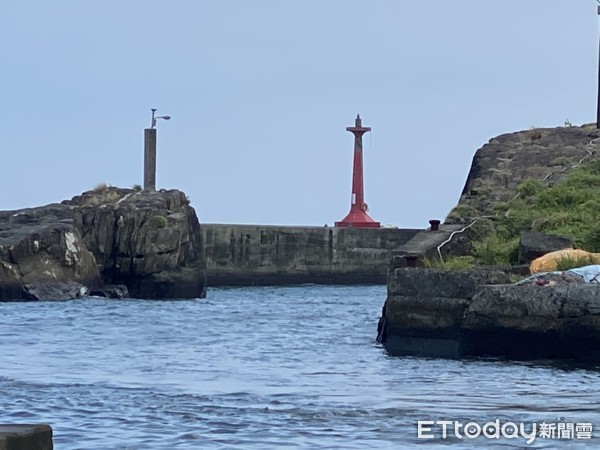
(111, 291)
(55, 290)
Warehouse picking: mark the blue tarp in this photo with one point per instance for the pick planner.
(584, 274)
(590, 274)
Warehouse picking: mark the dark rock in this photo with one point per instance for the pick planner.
(532, 245)
(11, 286)
(420, 282)
(26, 437)
(148, 241)
(39, 250)
(55, 290)
(526, 322)
(111, 291)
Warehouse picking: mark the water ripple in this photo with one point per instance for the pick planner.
(257, 368)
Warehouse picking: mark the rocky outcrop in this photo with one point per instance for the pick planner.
(532, 245)
(544, 154)
(42, 255)
(430, 312)
(150, 242)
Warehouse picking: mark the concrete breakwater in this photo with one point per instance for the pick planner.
(274, 255)
(477, 313)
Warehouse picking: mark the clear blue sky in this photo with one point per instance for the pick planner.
(261, 92)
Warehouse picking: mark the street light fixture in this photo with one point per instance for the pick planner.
(150, 153)
(158, 117)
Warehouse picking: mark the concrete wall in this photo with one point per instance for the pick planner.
(477, 313)
(264, 255)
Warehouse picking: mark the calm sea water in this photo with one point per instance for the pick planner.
(258, 368)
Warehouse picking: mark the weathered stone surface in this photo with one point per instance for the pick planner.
(532, 245)
(55, 290)
(534, 322)
(429, 312)
(545, 154)
(263, 255)
(26, 437)
(427, 283)
(149, 241)
(111, 291)
(39, 250)
(424, 309)
(11, 286)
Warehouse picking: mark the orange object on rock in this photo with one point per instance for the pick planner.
(549, 262)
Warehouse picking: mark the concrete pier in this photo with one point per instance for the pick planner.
(26, 437)
(247, 255)
(478, 312)
(253, 255)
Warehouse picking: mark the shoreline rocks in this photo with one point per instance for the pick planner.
(150, 242)
(476, 313)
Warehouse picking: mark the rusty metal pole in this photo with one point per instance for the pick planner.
(358, 189)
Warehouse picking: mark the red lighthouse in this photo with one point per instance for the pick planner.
(358, 217)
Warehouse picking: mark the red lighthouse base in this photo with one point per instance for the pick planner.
(357, 218)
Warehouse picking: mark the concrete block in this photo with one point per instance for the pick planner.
(26, 437)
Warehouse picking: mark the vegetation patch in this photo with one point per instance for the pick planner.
(451, 264)
(570, 208)
(535, 134)
(158, 222)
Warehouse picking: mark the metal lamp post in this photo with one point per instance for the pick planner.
(150, 152)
